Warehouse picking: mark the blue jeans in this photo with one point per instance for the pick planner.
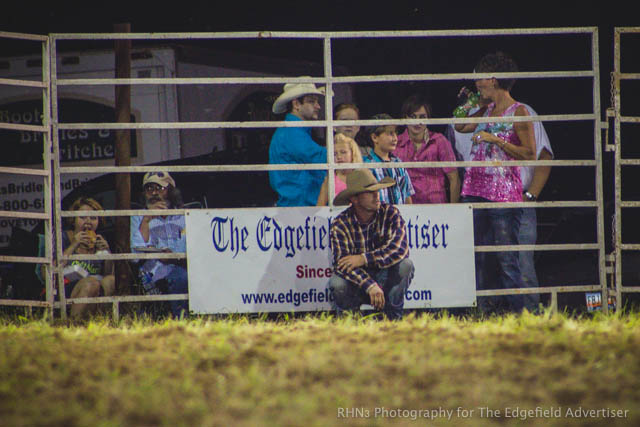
(528, 236)
(498, 226)
(177, 284)
(394, 282)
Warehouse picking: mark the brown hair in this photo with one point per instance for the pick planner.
(84, 201)
(345, 106)
(498, 62)
(413, 104)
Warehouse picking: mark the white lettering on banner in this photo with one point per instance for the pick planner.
(278, 259)
(25, 193)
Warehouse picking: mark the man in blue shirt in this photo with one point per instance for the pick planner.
(294, 145)
(161, 234)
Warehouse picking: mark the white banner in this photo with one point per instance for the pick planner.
(279, 260)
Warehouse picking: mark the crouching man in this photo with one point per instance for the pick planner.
(370, 250)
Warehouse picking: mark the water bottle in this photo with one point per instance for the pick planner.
(469, 100)
(149, 287)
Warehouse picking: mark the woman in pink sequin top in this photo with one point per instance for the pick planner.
(497, 141)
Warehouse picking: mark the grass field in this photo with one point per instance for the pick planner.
(321, 371)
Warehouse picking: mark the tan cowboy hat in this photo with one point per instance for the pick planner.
(293, 91)
(360, 181)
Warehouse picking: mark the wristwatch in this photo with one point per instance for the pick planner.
(530, 197)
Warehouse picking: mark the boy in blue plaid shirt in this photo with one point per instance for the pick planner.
(385, 141)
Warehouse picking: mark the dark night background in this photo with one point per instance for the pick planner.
(570, 140)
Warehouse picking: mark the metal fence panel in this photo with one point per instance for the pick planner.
(619, 76)
(53, 126)
(45, 259)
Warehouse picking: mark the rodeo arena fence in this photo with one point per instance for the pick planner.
(51, 171)
(618, 76)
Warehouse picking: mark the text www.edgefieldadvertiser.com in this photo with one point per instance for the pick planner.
(313, 296)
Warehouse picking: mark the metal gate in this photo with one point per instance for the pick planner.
(329, 40)
(625, 135)
(23, 210)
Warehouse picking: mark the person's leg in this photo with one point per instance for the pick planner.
(505, 223)
(88, 287)
(108, 284)
(346, 295)
(395, 284)
(527, 236)
(177, 284)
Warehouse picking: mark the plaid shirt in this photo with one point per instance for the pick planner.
(399, 193)
(383, 241)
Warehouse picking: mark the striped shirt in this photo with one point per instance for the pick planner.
(399, 193)
(383, 241)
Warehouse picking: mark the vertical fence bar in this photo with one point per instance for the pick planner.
(122, 155)
(328, 108)
(617, 167)
(55, 184)
(597, 134)
(46, 159)
(115, 311)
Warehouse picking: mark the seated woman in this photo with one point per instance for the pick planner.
(345, 150)
(86, 278)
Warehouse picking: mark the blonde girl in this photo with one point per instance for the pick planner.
(345, 150)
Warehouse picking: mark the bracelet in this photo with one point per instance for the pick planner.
(504, 143)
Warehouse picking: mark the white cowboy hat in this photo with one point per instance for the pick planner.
(292, 91)
(360, 181)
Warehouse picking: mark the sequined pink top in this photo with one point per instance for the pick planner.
(498, 184)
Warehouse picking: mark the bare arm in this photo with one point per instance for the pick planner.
(74, 242)
(144, 225)
(454, 186)
(540, 175)
(524, 130)
(323, 197)
(470, 127)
